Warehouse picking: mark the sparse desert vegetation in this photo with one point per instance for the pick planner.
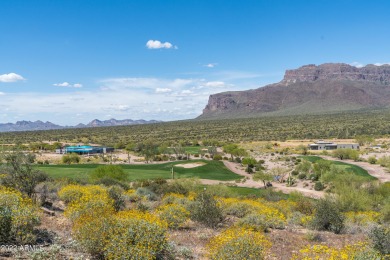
(186, 203)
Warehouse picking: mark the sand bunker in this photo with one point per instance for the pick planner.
(190, 165)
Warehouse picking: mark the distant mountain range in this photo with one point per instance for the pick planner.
(39, 125)
(310, 89)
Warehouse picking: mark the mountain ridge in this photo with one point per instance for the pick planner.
(310, 89)
(24, 125)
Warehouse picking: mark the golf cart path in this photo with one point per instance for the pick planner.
(250, 183)
(374, 170)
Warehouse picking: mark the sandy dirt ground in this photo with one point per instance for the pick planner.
(190, 165)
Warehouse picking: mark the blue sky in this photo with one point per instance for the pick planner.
(73, 61)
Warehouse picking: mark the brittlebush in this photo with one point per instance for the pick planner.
(18, 217)
(238, 244)
(329, 253)
(175, 215)
(110, 235)
(136, 235)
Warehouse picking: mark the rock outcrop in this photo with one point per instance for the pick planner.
(309, 89)
(338, 71)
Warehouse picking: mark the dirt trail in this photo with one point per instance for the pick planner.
(373, 169)
(250, 183)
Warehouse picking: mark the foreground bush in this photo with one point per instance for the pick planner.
(256, 214)
(237, 244)
(328, 216)
(136, 235)
(380, 237)
(205, 210)
(355, 251)
(18, 217)
(110, 235)
(175, 215)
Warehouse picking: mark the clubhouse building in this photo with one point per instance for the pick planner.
(324, 145)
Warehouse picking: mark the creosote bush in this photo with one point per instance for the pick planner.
(206, 210)
(328, 216)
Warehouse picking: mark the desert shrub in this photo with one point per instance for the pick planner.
(294, 172)
(384, 161)
(385, 213)
(18, 172)
(86, 201)
(297, 218)
(238, 209)
(328, 216)
(325, 252)
(146, 193)
(205, 210)
(346, 154)
(304, 167)
(107, 181)
(136, 235)
(313, 236)
(261, 222)
(302, 204)
(353, 194)
(302, 176)
(132, 196)
(314, 176)
(238, 243)
(108, 171)
(116, 194)
(92, 232)
(217, 157)
(362, 218)
(380, 237)
(256, 214)
(5, 224)
(175, 215)
(367, 254)
(70, 158)
(372, 160)
(318, 186)
(71, 193)
(179, 199)
(18, 217)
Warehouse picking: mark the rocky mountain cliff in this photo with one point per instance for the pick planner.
(39, 125)
(310, 89)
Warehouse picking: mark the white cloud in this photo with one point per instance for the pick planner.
(380, 64)
(357, 64)
(2, 93)
(163, 90)
(211, 65)
(11, 77)
(68, 85)
(215, 84)
(187, 92)
(65, 84)
(152, 44)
